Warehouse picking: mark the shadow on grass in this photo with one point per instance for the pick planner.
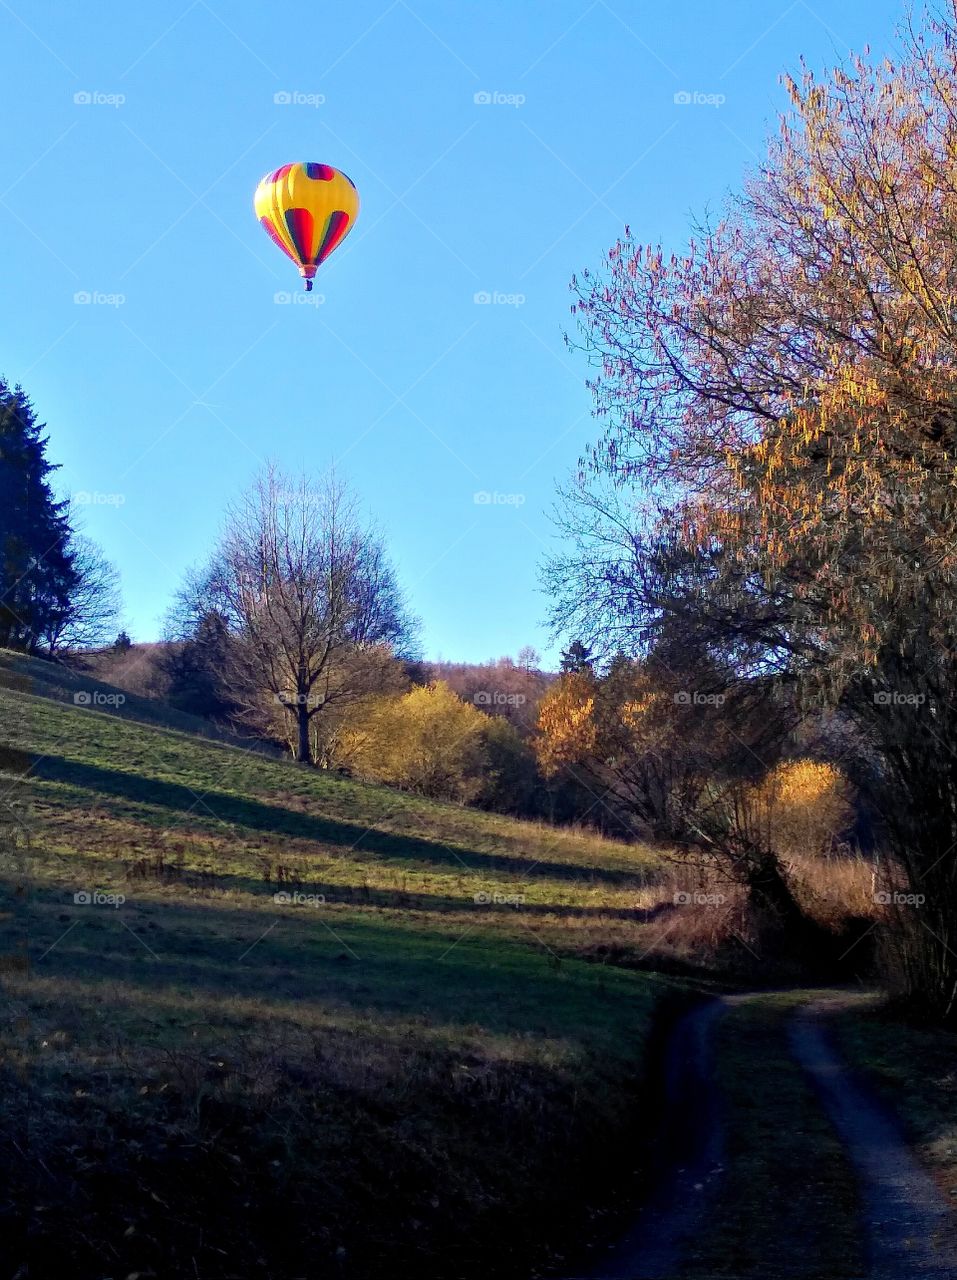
(257, 1111)
(203, 807)
(311, 956)
(481, 903)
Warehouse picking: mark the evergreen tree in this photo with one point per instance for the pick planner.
(37, 571)
(195, 668)
(577, 657)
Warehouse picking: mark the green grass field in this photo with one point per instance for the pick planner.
(408, 1063)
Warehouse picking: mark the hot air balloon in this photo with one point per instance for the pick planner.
(307, 210)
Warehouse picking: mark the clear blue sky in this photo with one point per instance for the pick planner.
(420, 395)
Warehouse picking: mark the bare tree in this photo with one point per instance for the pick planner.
(528, 657)
(310, 599)
(87, 617)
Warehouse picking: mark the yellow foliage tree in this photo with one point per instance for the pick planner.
(642, 745)
(804, 805)
(567, 732)
(428, 741)
(783, 396)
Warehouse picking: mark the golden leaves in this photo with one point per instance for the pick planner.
(566, 727)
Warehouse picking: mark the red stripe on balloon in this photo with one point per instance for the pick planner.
(300, 224)
(336, 229)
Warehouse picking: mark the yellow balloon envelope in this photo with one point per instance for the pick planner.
(307, 210)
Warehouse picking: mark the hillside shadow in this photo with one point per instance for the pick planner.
(163, 951)
(387, 898)
(202, 806)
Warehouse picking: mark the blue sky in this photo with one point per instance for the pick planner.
(135, 136)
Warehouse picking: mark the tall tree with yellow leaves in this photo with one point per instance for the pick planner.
(781, 400)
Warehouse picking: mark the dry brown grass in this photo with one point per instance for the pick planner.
(138, 670)
(833, 888)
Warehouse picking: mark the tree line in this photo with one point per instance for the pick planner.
(767, 525)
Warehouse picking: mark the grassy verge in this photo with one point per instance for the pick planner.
(401, 1067)
(914, 1069)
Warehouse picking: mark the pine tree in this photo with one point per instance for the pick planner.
(37, 573)
(577, 657)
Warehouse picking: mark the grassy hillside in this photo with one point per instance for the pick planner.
(74, 686)
(402, 1063)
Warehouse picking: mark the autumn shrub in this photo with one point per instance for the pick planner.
(804, 806)
(802, 809)
(427, 741)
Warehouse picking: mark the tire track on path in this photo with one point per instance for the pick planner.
(908, 1223)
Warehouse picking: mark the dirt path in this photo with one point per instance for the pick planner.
(908, 1224)
(693, 1134)
(905, 1227)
